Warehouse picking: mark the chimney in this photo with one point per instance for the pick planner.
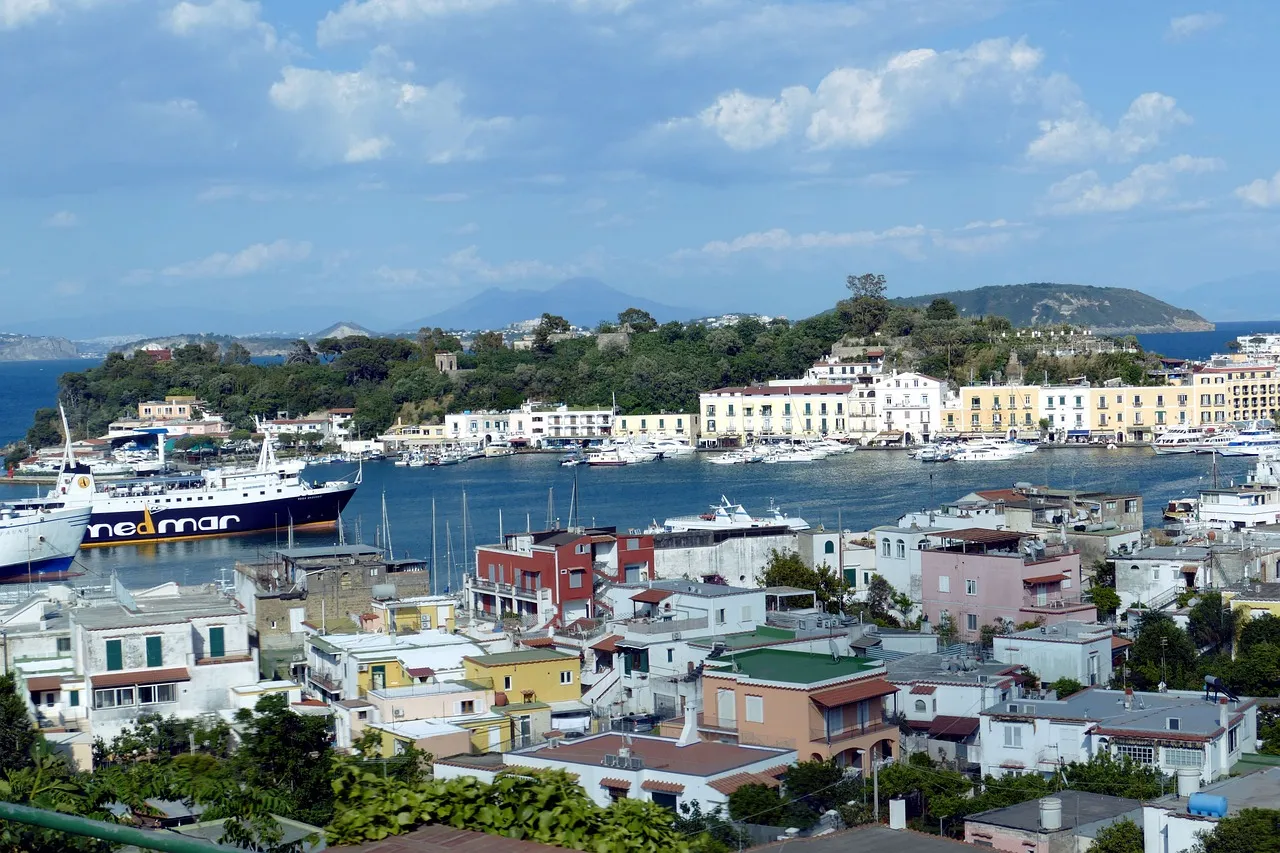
(1224, 715)
(1128, 698)
(689, 732)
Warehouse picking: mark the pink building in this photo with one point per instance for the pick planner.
(977, 576)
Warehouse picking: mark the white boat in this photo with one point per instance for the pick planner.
(934, 453)
(669, 447)
(499, 448)
(1180, 439)
(992, 450)
(727, 515)
(1250, 442)
(43, 538)
(788, 456)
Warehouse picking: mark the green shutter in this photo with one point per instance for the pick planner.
(154, 657)
(115, 656)
(75, 698)
(217, 642)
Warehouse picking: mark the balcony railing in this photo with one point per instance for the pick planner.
(664, 626)
(822, 734)
(228, 656)
(1051, 601)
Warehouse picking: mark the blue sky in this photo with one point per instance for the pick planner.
(378, 160)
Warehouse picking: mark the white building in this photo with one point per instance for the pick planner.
(1238, 507)
(535, 424)
(898, 551)
(167, 650)
(909, 405)
(1067, 410)
(332, 425)
(1079, 650)
(1172, 824)
(1173, 731)
(1155, 575)
(739, 555)
(748, 414)
(345, 666)
(833, 370)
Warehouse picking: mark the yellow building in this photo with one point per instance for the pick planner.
(1256, 600)
(662, 425)
(1140, 413)
(528, 675)
(420, 613)
(1238, 392)
(993, 409)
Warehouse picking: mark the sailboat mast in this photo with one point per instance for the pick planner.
(448, 551)
(435, 557)
(551, 506)
(463, 556)
(501, 537)
(386, 527)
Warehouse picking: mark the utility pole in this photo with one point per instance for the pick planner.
(875, 786)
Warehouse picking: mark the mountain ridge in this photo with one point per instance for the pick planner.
(1106, 310)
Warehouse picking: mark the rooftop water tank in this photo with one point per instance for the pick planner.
(1207, 805)
(1051, 814)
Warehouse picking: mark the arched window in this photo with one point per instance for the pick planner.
(885, 548)
(902, 550)
(921, 706)
(829, 547)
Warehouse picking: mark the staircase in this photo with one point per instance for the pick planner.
(603, 689)
(1163, 600)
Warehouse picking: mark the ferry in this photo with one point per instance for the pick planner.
(727, 515)
(271, 495)
(1181, 439)
(43, 540)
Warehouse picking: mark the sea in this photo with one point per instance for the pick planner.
(855, 491)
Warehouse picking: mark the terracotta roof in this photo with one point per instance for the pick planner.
(652, 596)
(437, 838)
(1054, 578)
(419, 671)
(961, 727)
(855, 692)
(1119, 642)
(600, 538)
(620, 784)
(729, 784)
(45, 682)
(607, 644)
(705, 759)
(923, 689)
(538, 642)
(146, 676)
(662, 787)
(1012, 765)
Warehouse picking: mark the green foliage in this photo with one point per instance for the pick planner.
(17, 736)
(1046, 303)
(942, 309)
(638, 319)
(813, 787)
(787, 569)
(1178, 652)
(289, 755)
(1265, 629)
(1124, 778)
(711, 832)
(1250, 831)
(1212, 622)
(154, 735)
(45, 429)
(1106, 599)
(1064, 687)
(46, 782)
(756, 804)
(1123, 836)
(18, 451)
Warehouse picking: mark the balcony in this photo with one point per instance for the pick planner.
(325, 682)
(663, 626)
(820, 734)
(1055, 600)
(228, 656)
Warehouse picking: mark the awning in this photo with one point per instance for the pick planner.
(1046, 578)
(44, 682)
(1118, 643)
(147, 676)
(1077, 433)
(600, 539)
(608, 645)
(616, 784)
(652, 595)
(923, 690)
(953, 727)
(662, 787)
(420, 671)
(855, 692)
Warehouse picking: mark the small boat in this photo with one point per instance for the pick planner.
(499, 448)
(571, 459)
(934, 453)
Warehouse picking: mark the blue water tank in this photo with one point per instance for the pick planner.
(1207, 805)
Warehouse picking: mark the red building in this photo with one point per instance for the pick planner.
(551, 576)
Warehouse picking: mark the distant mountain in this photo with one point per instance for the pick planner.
(29, 348)
(1108, 310)
(343, 329)
(581, 301)
(1239, 298)
(143, 321)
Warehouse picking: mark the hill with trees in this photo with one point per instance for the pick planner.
(1106, 310)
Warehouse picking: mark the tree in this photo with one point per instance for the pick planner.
(46, 431)
(301, 353)
(1064, 687)
(812, 788)
(1265, 629)
(756, 804)
(1104, 774)
(879, 596)
(638, 319)
(236, 353)
(866, 285)
(1123, 836)
(1250, 831)
(551, 324)
(787, 569)
(941, 309)
(1174, 659)
(488, 342)
(1212, 622)
(1106, 599)
(17, 735)
(288, 754)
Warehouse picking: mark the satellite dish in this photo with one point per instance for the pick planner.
(835, 650)
(275, 574)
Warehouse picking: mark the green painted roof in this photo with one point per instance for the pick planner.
(793, 667)
(522, 656)
(762, 635)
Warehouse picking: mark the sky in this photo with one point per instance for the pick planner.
(379, 160)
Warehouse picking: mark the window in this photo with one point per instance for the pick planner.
(506, 682)
(575, 580)
(633, 544)
(362, 715)
(566, 676)
(1155, 574)
(753, 709)
(1173, 724)
(1176, 756)
(671, 655)
(971, 587)
(902, 550)
(1233, 739)
(582, 548)
(886, 547)
(467, 706)
(667, 801)
(746, 613)
(155, 656)
(64, 644)
(720, 616)
(971, 621)
(921, 707)
(828, 547)
(1013, 737)
(75, 698)
(113, 697)
(1131, 506)
(115, 655)
(944, 583)
(1136, 753)
(154, 694)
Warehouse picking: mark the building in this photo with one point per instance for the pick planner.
(326, 586)
(665, 771)
(823, 706)
(974, 577)
(909, 406)
(534, 424)
(348, 666)
(1139, 413)
(1255, 599)
(549, 577)
(1067, 821)
(333, 426)
(739, 555)
(1070, 649)
(1154, 576)
(1177, 730)
(644, 427)
(539, 679)
(1005, 410)
(1173, 824)
(898, 552)
(1235, 392)
(745, 415)
(861, 369)
(166, 650)
(1065, 411)
(171, 408)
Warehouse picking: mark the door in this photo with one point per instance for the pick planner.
(726, 710)
(217, 641)
(1093, 669)
(378, 674)
(1042, 595)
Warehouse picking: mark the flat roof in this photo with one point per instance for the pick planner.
(791, 667)
(1252, 791)
(1254, 592)
(313, 552)
(868, 839)
(187, 603)
(704, 758)
(943, 669)
(418, 729)
(1078, 808)
(1197, 718)
(1072, 630)
(763, 635)
(521, 656)
(981, 535)
(1169, 552)
(698, 588)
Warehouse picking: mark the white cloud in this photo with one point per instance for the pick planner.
(236, 192)
(1188, 25)
(464, 229)
(257, 258)
(62, 219)
(357, 18)
(1261, 192)
(371, 114)
(885, 180)
(398, 276)
(68, 287)
(20, 13)
(466, 264)
(857, 107)
(1080, 137)
(192, 20)
(1085, 192)
(780, 239)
